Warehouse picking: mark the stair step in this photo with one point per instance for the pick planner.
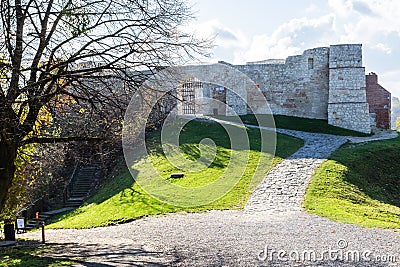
(75, 199)
(72, 205)
(73, 202)
(82, 186)
(33, 221)
(80, 192)
(82, 189)
(31, 225)
(58, 211)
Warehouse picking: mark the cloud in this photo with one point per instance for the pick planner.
(359, 21)
(312, 8)
(341, 8)
(226, 40)
(363, 8)
(378, 29)
(389, 80)
(224, 34)
(382, 47)
(290, 38)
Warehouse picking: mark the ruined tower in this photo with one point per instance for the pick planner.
(347, 103)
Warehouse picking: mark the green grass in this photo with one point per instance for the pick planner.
(122, 200)
(300, 124)
(30, 256)
(359, 185)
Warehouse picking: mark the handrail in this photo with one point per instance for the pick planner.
(33, 203)
(29, 205)
(72, 176)
(68, 185)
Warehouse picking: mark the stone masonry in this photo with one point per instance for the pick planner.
(297, 87)
(326, 83)
(347, 103)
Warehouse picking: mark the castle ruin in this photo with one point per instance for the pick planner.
(323, 83)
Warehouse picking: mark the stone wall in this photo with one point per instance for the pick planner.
(379, 100)
(236, 83)
(322, 83)
(299, 87)
(347, 104)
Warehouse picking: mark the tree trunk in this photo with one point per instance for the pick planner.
(8, 153)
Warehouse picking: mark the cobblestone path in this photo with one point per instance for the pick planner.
(284, 187)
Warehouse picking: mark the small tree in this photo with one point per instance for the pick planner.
(58, 52)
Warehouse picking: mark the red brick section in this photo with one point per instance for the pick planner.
(378, 99)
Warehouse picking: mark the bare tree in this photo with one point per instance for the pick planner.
(61, 51)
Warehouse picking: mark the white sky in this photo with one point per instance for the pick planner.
(251, 30)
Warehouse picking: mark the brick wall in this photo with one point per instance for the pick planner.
(379, 102)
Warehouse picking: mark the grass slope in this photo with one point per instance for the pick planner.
(300, 124)
(122, 200)
(359, 185)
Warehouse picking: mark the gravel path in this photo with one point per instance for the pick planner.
(225, 238)
(271, 231)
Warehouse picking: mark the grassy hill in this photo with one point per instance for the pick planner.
(122, 200)
(360, 185)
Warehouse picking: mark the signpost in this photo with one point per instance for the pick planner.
(20, 224)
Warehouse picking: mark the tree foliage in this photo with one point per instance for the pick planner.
(84, 55)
